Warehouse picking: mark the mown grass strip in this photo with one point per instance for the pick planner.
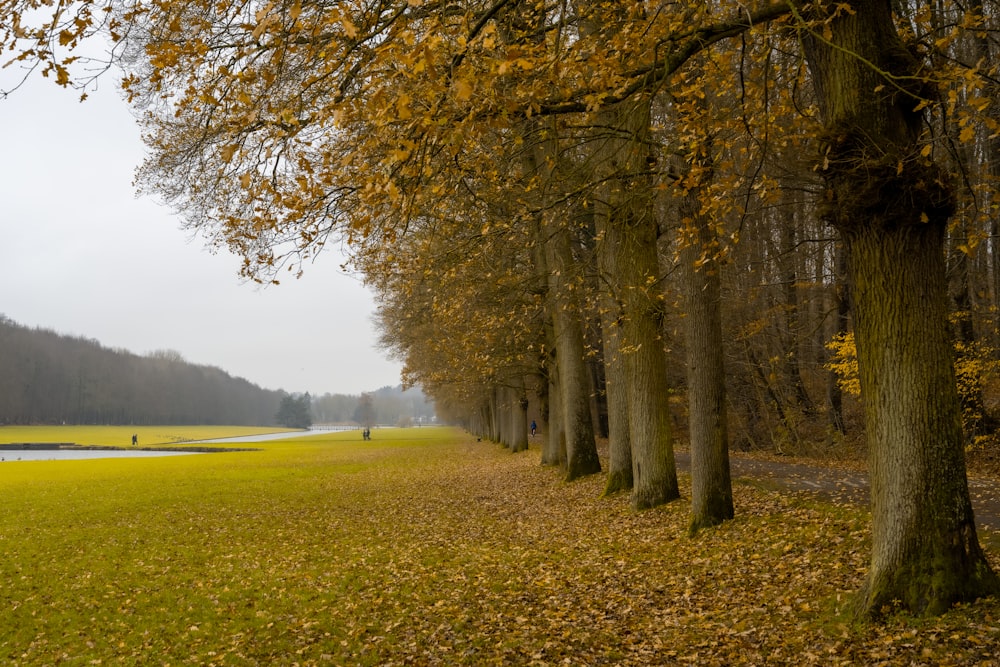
(425, 547)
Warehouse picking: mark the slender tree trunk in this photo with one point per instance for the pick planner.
(609, 149)
(891, 207)
(791, 340)
(519, 417)
(563, 304)
(834, 392)
(494, 413)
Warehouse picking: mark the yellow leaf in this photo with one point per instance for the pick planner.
(228, 152)
(245, 180)
(463, 90)
(350, 29)
(403, 107)
(967, 134)
(926, 151)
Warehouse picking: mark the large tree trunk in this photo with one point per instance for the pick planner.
(574, 380)
(891, 207)
(553, 437)
(653, 470)
(619, 438)
(925, 551)
(627, 250)
(711, 483)
(619, 445)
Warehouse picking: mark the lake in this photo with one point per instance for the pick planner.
(14, 455)
(264, 437)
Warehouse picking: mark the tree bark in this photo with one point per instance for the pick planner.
(553, 441)
(834, 393)
(574, 380)
(891, 206)
(653, 469)
(519, 417)
(627, 250)
(711, 482)
(789, 280)
(619, 440)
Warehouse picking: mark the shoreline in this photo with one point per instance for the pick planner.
(69, 446)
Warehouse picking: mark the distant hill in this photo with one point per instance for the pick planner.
(50, 378)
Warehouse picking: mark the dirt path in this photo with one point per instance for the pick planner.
(845, 485)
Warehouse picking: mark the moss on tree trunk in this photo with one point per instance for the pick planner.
(925, 553)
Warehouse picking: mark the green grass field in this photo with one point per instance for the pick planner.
(121, 436)
(424, 547)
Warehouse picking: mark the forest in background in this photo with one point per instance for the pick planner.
(51, 378)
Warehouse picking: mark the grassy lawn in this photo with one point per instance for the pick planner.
(121, 436)
(426, 547)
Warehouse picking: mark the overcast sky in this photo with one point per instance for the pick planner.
(81, 255)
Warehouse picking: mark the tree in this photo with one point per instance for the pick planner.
(891, 204)
(364, 414)
(295, 411)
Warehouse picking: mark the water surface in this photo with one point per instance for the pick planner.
(14, 455)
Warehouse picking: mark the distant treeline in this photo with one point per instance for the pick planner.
(388, 406)
(50, 378)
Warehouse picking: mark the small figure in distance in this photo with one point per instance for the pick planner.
(534, 428)
(135, 439)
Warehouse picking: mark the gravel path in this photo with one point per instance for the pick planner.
(845, 485)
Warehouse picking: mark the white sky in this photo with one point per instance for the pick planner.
(81, 255)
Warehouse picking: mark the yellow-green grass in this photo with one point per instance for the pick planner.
(424, 547)
(121, 436)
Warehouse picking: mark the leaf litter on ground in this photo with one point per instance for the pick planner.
(434, 551)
